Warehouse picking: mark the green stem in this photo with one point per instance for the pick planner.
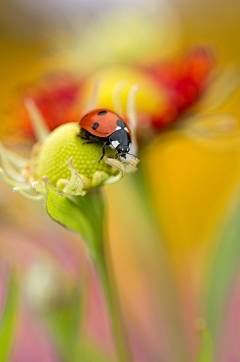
(106, 272)
(93, 206)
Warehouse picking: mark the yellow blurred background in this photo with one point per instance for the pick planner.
(166, 258)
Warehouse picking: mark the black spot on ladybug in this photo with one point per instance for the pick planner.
(120, 123)
(95, 125)
(101, 113)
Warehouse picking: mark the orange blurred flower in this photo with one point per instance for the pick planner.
(57, 98)
(183, 80)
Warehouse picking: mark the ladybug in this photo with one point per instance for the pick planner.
(106, 127)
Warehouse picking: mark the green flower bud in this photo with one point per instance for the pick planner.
(62, 144)
(63, 160)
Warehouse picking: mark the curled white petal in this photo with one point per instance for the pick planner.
(29, 196)
(131, 166)
(12, 183)
(98, 178)
(38, 187)
(13, 173)
(77, 182)
(16, 160)
(119, 166)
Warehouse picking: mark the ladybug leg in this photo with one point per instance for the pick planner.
(87, 143)
(81, 135)
(104, 146)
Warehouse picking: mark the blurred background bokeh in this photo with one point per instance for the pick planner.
(174, 225)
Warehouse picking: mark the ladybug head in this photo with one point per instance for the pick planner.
(120, 140)
(123, 149)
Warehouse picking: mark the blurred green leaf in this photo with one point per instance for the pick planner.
(87, 353)
(224, 270)
(206, 351)
(8, 319)
(83, 214)
(64, 324)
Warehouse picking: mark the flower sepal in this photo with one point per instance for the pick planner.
(76, 213)
(75, 185)
(65, 170)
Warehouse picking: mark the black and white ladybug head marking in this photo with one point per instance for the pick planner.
(121, 125)
(120, 140)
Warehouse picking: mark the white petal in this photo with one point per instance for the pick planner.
(131, 114)
(12, 183)
(29, 196)
(8, 168)
(76, 183)
(94, 96)
(39, 125)
(16, 160)
(117, 103)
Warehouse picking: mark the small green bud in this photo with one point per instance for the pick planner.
(62, 144)
(64, 161)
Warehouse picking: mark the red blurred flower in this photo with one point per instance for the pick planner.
(183, 81)
(57, 97)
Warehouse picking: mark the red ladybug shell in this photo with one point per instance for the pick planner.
(101, 123)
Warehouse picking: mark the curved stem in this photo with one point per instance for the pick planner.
(108, 280)
(93, 205)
